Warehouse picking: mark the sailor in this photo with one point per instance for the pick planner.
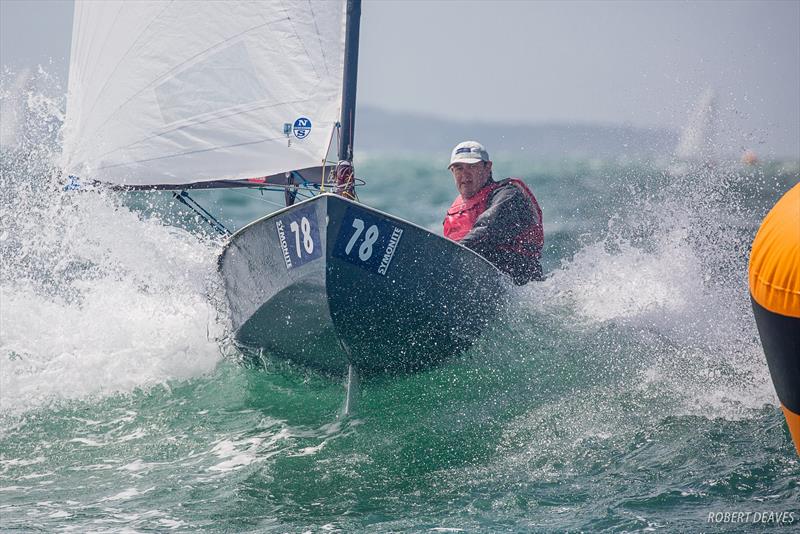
(500, 220)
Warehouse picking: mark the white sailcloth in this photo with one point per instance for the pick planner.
(176, 92)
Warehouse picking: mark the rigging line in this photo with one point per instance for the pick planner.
(306, 184)
(259, 198)
(328, 149)
(325, 159)
(334, 131)
(290, 194)
(184, 198)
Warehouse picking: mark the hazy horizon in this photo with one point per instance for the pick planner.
(642, 65)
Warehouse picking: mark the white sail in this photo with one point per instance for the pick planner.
(175, 92)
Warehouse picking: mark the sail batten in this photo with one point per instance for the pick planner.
(199, 91)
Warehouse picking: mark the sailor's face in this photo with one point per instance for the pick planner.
(471, 177)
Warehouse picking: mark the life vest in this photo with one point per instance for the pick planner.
(462, 215)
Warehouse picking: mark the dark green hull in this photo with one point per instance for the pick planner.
(329, 282)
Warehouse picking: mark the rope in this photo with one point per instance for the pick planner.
(184, 198)
(262, 199)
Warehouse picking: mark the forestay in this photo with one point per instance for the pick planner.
(168, 93)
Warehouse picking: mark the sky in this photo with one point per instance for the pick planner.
(639, 63)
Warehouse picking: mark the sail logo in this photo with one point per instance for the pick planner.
(284, 246)
(301, 128)
(389, 254)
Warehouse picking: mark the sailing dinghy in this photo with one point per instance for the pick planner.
(184, 95)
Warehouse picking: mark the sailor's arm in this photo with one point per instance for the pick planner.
(508, 212)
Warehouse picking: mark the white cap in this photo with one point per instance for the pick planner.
(468, 152)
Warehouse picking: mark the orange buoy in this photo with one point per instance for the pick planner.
(775, 294)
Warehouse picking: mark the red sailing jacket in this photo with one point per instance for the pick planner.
(462, 215)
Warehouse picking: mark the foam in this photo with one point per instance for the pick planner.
(94, 298)
(669, 273)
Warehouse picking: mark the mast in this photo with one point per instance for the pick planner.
(349, 83)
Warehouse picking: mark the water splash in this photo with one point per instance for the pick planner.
(670, 272)
(95, 298)
(699, 137)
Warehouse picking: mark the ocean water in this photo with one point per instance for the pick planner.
(626, 392)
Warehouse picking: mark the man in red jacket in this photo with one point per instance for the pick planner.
(501, 221)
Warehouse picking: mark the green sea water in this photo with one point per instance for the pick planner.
(626, 392)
